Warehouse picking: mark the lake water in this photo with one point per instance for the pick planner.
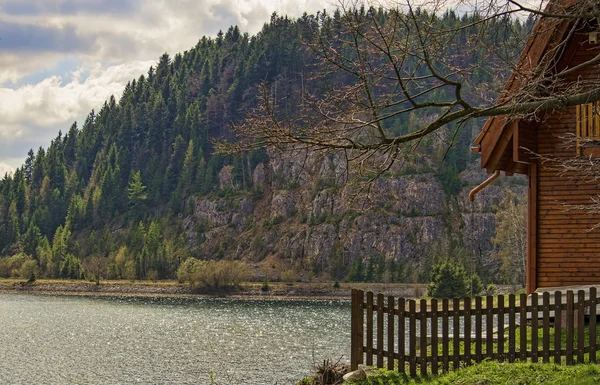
(117, 340)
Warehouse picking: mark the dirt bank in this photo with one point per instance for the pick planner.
(316, 290)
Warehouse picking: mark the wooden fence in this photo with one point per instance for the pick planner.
(444, 334)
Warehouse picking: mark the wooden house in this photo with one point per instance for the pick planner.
(561, 249)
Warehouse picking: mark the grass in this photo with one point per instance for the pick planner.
(492, 373)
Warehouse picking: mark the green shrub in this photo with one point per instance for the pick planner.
(490, 289)
(265, 286)
(10, 266)
(450, 280)
(213, 275)
(29, 270)
(288, 275)
(476, 286)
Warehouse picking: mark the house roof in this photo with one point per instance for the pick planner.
(494, 141)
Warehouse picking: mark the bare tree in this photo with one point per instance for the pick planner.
(376, 65)
(510, 238)
(95, 268)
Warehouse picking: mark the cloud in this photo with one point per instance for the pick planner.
(111, 30)
(20, 8)
(33, 114)
(53, 100)
(62, 58)
(4, 169)
(18, 37)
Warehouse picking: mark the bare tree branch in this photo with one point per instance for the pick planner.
(378, 65)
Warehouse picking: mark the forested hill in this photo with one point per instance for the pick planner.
(138, 182)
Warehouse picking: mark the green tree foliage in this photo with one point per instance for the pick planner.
(357, 271)
(70, 267)
(135, 163)
(136, 192)
(11, 266)
(60, 251)
(29, 270)
(450, 280)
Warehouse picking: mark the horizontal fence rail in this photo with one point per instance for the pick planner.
(429, 336)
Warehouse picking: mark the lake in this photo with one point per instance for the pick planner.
(125, 340)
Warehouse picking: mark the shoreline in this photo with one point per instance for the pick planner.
(250, 290)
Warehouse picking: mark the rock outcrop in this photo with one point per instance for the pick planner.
(302, 212)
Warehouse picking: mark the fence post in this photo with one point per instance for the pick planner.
(546, 327)
(558, 327)
(569, 326)
(423, 333)
(467, 329)
(380, 305)
(390, 325)
(534, 327)
(580, 325)
(357, 325)
(370, 329)
(592, 335)
(401, 336)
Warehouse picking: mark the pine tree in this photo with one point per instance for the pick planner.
(136, 193)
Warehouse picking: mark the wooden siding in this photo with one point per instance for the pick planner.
(567, 250)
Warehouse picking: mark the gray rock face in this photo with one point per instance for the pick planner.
(307, 214)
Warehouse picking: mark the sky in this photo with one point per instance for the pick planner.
(59, 59)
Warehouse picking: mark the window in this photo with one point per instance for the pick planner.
(588, 125)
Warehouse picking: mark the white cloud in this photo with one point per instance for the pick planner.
(53, 101)
(107, 48)
(5, 168)
(33, 114)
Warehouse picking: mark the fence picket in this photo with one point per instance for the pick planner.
(390, 341)
(546, 327)
(467, 329)
(423, 333)
(489, 326)
(357, 322)
(569, 327)
(478, 329)
(534, 327)
(557, 327)
(580, 325)
(401, 333)
(380, 330)
(434, 336)
(412, 342)
(592, 335)
(445, 336)
(369, 328)
(456, 335)
(523, 327)
(511, 328)
(500, 327)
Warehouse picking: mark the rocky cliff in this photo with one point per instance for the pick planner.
(304, 219)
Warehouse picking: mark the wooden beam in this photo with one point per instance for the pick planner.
(524, 137)
(510, 168)
(492, 163)
(532, 230)
(488, 145)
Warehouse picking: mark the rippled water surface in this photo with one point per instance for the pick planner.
(93, 340)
